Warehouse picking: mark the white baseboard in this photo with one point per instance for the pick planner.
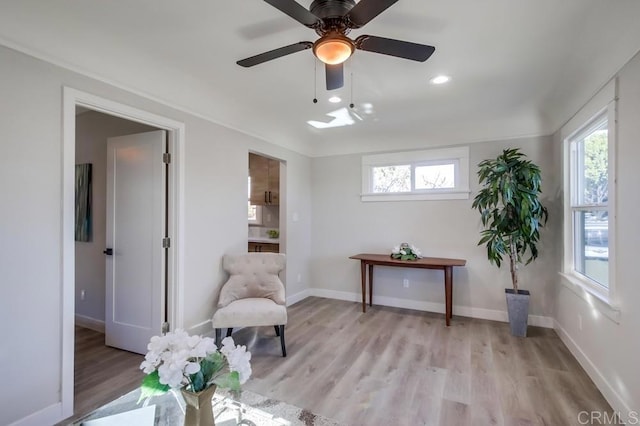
(203, 329)
(419, 305)
(47, 416)
(90, 323)
(613, 398)
(301, 295)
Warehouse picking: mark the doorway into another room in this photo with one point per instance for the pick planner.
(121, 245)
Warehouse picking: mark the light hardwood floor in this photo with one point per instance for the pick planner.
(400, 367)
(102, 374)
(390, 367)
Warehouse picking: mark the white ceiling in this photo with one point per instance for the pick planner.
(518, 68)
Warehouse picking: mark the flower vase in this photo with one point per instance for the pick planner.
(199, 408)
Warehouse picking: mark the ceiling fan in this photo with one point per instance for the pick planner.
(332, 20)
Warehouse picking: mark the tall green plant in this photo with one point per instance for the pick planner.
(511, 212)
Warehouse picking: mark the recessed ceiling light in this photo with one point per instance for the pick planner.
(441, 79)
(334, 99)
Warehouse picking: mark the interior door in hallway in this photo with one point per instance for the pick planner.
(136, 226)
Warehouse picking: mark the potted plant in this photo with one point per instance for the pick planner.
(512, 216)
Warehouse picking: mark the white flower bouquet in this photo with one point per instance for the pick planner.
(177, 360)
(406, 252)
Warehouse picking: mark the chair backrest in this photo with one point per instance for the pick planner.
(253, 275)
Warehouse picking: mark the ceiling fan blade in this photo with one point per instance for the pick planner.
(392, 47)
(275, 54)
(296, 11)
(366, 10)
(335, 76)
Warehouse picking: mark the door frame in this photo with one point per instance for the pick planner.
(175, 258)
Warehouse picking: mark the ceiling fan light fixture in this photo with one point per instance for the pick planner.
(333, 49)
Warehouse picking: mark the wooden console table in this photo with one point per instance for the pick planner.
(445, 265)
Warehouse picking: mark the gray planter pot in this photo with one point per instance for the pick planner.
(518, 309)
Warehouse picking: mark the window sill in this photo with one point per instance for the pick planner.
(595, 299)
(439, 195)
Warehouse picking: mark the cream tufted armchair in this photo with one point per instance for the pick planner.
(253, 295)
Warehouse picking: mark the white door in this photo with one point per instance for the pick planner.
(136, 217)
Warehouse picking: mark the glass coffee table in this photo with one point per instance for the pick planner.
(229, 409)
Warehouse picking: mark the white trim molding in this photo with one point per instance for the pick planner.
(602, 106)
(613, 398)
(47, 416)
(295, 298)
(203, 328)
(90, 323)
(419, 305)
(70, 99)
(457, 156)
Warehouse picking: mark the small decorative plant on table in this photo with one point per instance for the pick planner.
(406, 252)
(194, 365)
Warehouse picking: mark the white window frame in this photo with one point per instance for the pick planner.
(258, 219)
(458, 156)
(578, 127)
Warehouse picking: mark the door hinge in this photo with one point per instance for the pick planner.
(165, 327)
(166, 242)
(166, 158)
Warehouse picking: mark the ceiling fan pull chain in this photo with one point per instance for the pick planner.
(351, 105)
(315, 81)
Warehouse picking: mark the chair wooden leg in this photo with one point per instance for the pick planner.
(277, 330)
(284, 350)
(218, 337)
(229, 331)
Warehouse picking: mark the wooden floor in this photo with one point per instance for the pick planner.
(386, 367)
(102, 374)
(401, 367)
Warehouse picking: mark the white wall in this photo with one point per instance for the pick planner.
(295, 216)
(216, 163)
(92, 131)
(343, 226)
(610, 351)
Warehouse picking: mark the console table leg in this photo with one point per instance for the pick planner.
(448, 290)
(370, 284)
(363, 274)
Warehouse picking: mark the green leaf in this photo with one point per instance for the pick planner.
(229, 380)
(212, 364)
(151, 386)
(510, 210)
(197, 381)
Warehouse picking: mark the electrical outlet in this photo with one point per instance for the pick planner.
(299, 278)
(405, 283)
(579, 322)
(82, 294)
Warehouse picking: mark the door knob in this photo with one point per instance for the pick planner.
(108, 252)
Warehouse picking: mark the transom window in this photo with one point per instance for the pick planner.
(421, 175)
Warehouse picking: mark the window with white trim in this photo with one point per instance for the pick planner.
(588, 202)
(255, 212)
(437, 174)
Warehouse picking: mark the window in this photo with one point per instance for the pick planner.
(416, 175)
(255, 212)
(588, 203)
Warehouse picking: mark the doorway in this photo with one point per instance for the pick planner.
(119, 290)
(172, 267)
